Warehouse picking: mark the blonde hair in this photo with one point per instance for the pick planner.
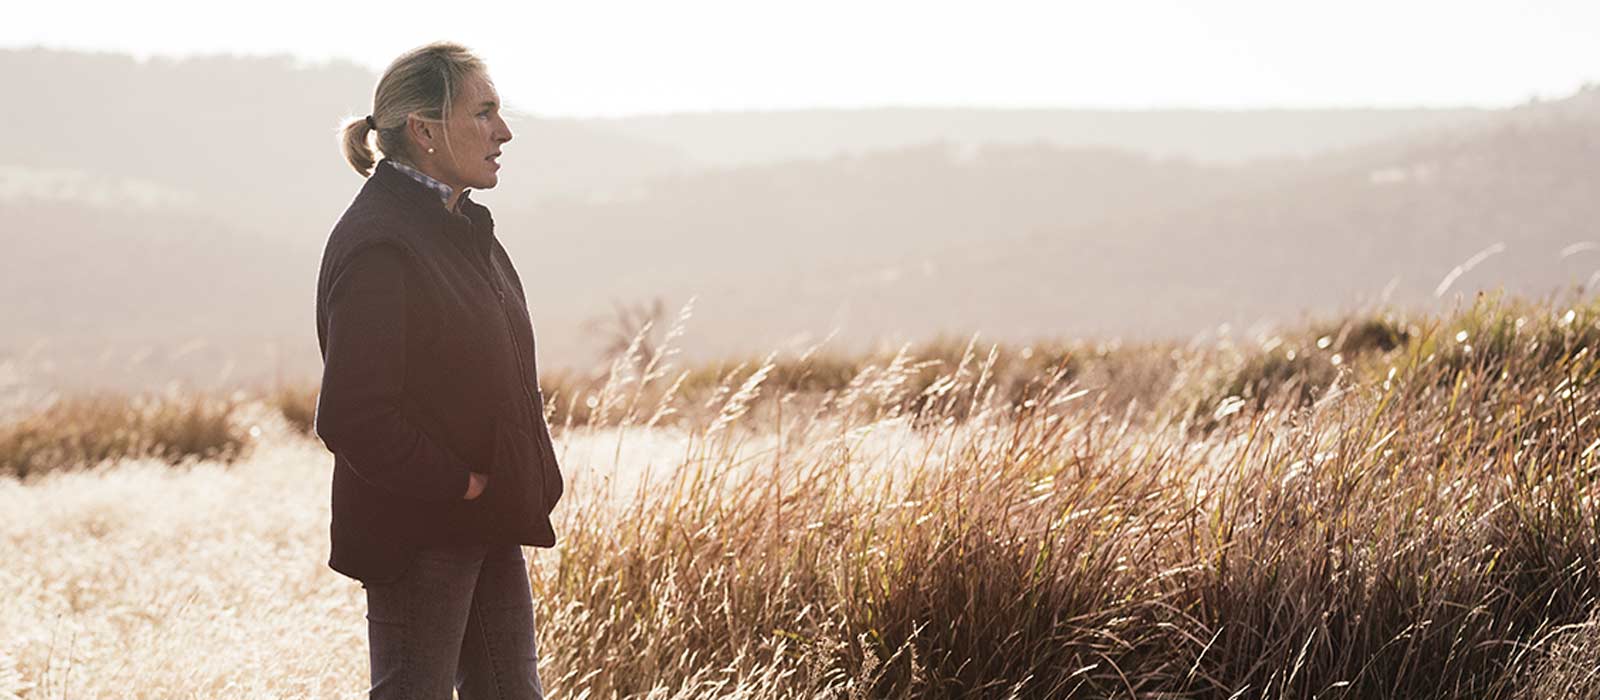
(421, 82)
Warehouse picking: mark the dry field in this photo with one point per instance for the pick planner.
(1375, 506)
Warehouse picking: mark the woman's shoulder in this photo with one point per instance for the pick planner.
(370, 221)
(374, 213)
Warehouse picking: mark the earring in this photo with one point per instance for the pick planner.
(430, 150)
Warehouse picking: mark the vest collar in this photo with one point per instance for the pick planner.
(472, 228)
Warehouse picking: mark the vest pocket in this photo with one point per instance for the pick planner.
(550, 471)
(518, 465)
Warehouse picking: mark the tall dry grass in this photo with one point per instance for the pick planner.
(76, 431)
(1403, 511)
(1401, 508)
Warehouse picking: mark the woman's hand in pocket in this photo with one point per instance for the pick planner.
(475, 485)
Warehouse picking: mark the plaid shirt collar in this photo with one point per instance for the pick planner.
(432, 184)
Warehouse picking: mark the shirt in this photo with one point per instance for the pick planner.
(433, 184)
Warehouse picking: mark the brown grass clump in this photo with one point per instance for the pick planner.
(297, 405)
(980, 521)
(1294, 367)
(80, 431)
(924, 385)
(1417, 535)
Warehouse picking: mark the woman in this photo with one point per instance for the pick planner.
(443, 464)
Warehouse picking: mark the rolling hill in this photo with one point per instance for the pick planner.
(163, 218)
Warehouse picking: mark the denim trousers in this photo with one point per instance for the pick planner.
(460, 617)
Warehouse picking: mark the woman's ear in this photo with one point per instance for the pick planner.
(420, 132)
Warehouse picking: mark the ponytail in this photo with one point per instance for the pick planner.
(355, 144)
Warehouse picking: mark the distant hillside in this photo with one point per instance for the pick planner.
(122, 296)
(164, 219)
(1395, 219)
(1218, 136)
(141, 274)
(745, 225)
(254, 136)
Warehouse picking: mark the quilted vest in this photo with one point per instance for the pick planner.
(471, 381)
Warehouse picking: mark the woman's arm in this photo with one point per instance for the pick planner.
(359, 412)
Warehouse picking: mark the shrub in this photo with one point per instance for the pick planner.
(81, 431)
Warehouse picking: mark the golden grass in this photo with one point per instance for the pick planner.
(84, 430)
(1415, 519)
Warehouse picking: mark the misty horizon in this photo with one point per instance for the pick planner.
(609, 59)
(1013, 224)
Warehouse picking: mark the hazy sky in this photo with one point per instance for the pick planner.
(601, 57)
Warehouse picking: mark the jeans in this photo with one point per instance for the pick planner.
(460, 617)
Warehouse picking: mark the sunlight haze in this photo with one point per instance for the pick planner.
(620, 58)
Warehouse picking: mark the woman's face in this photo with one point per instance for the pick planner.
(467, 153)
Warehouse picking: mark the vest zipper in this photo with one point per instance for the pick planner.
(492, 275)
(541, 445)
(511, 329)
